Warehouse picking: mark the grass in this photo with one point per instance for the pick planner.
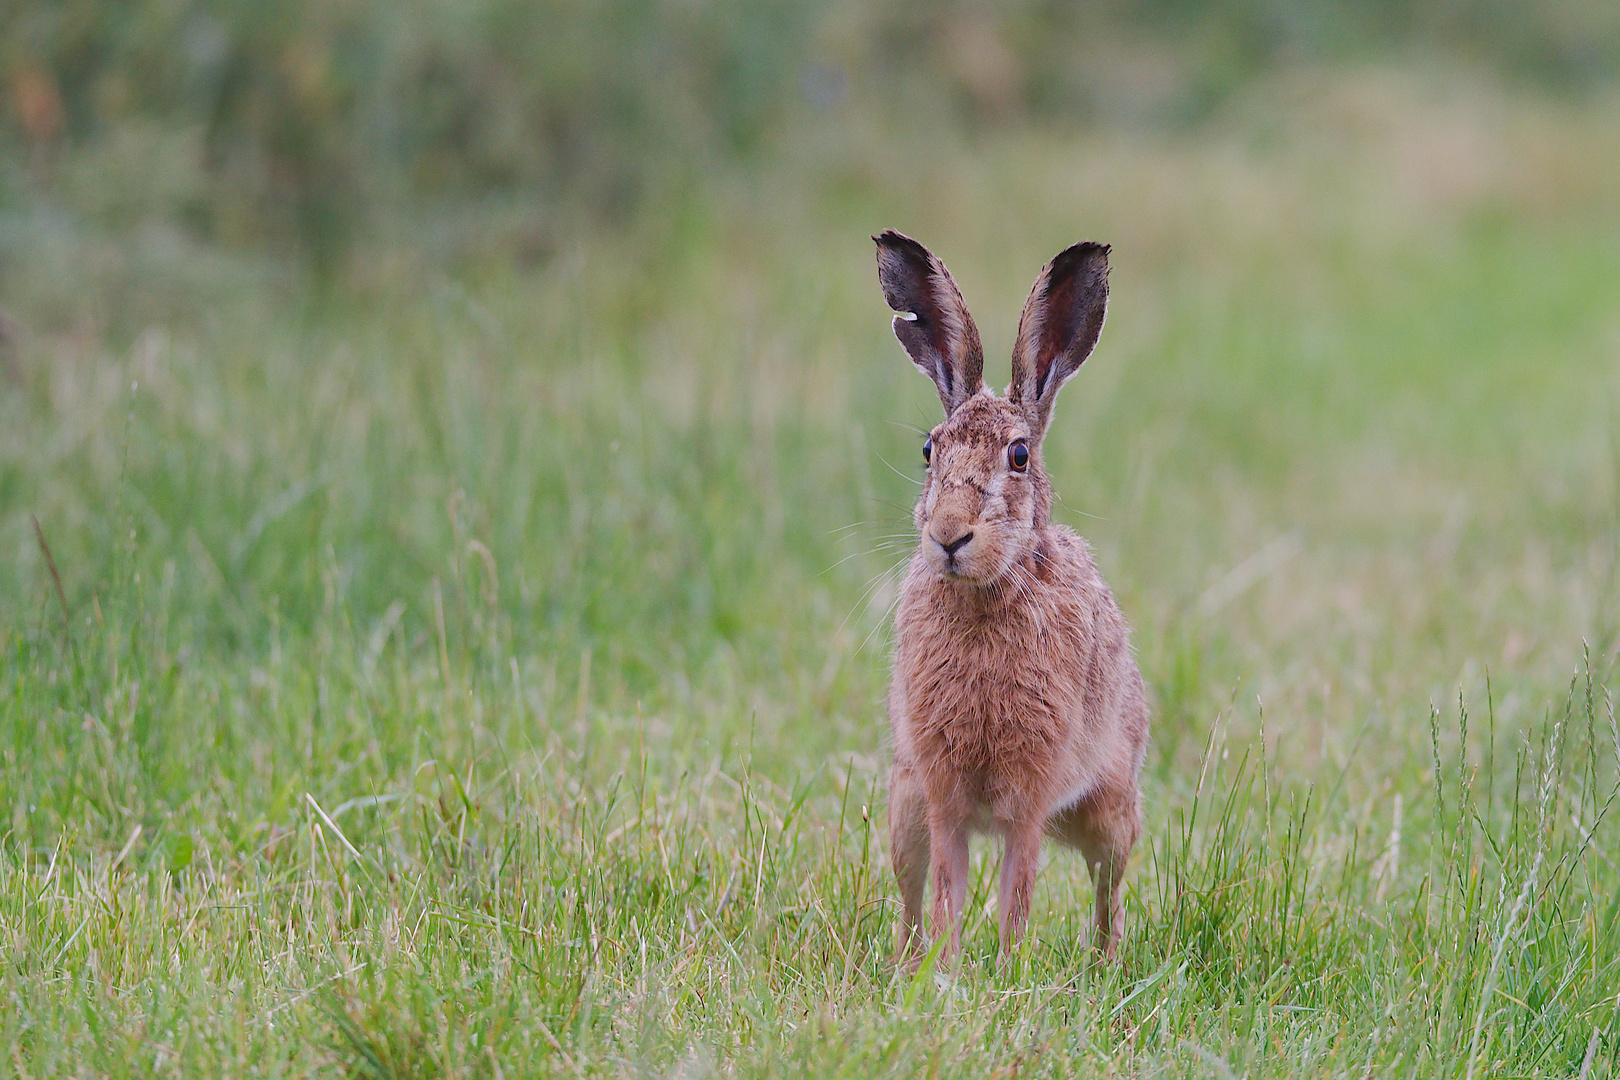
(478, 671)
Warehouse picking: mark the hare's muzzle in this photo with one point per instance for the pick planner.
(951, 548)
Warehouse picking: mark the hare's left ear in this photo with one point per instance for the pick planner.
(1059, 328)
(933, 321)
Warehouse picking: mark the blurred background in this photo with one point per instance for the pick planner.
(463, 428)
(510, 131)
(542, 339)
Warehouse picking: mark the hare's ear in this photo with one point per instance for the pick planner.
(933, 321)
(1059, 328)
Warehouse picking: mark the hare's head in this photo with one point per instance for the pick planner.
(986, 495)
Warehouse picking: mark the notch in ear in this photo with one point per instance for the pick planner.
(933, 323)
(1058, 329)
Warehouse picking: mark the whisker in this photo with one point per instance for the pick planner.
(1033, 583)
(882, 620)
(885, 536)
(1016, 574)
(1072, 510)
(877, 580)
(899, 508)
(1030, 585)
(882, 547)
(880, 624)
(897, 472)
(845, 559)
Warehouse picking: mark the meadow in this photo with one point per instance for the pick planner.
(474, 666)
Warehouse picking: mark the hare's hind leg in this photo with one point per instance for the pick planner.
(1104, 827)
(908, 851)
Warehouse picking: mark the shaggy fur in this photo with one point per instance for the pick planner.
(1015, 704)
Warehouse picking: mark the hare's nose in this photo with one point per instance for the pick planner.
(953, 546)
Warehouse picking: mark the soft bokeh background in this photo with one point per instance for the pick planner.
(490, 405)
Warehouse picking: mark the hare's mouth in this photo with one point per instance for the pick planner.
(970, 554)
(961, 571)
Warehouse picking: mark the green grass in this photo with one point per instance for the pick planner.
(479, 672)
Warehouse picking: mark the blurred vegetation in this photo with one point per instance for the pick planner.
(454, 461)
(307, 122)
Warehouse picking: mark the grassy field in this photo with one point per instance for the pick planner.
(474, 667)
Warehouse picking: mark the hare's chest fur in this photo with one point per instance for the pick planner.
(1001, 699)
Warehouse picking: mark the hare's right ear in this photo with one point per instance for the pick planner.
(1060, 325)
(933, 321)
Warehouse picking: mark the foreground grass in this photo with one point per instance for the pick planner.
(454, 888)
(481, 674)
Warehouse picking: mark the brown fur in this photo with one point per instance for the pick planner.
(1015, 704)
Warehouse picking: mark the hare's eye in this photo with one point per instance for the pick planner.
(1018, 456)
(928, 451)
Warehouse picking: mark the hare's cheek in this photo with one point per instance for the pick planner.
(991, 499)
(1021, 501)
(999, 502)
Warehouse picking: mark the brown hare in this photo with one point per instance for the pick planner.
(1015, 704)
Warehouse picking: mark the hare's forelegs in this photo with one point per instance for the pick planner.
(908, 851)
(1104, 827)
(948, 867)
(1019, 864)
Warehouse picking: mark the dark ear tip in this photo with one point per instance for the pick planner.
(899, 241)
(1087, 258)
(1084, 251)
